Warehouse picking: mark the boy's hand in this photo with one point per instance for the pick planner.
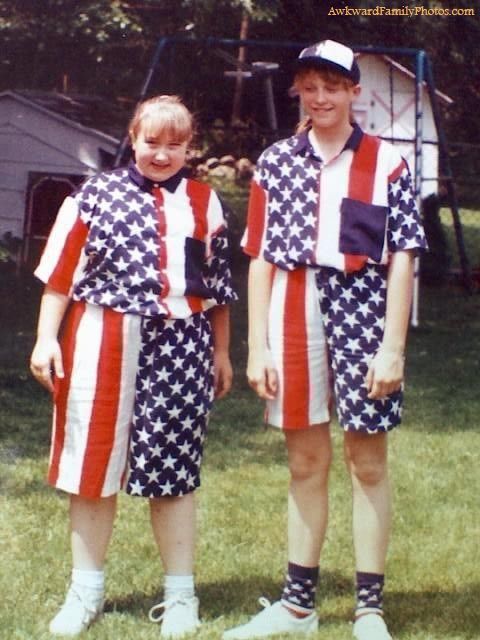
(46, 362)
(385, 374)
(223, 374)
(262, 375)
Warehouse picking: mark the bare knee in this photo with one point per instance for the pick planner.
(366, 459)
(309, 458)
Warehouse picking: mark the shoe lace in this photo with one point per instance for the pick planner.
(158, 611)
(75, 595)
(264, 602)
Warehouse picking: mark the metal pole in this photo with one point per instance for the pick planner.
(143, 92)
(449, 182)
(419, 75)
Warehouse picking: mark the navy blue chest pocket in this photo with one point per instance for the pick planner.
(195, 252)
(362, 228)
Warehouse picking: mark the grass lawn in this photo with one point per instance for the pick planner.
(433, 580)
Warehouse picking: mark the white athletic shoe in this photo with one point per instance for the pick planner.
(178, 615)
(274, 618)
(370, 626)
(78, 612)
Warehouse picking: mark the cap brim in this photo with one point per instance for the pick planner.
(313, 62)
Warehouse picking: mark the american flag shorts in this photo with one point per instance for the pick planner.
(353, 307)
(299, 352)
(114, 391)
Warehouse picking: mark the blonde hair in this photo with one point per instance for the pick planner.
(165, 114)
(328, 75)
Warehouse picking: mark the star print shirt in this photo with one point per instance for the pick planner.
(124, 242)
(353, 210)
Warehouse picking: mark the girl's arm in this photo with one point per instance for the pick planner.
(386, 371)
(261, 374)
(220, 321)
(46, 359)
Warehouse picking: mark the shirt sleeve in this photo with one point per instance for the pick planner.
(404, 231)
(254, 237)
(63, 259)
(218, 273)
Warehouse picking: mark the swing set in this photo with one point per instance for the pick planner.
(265, 71)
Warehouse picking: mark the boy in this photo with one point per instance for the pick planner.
(332, 231)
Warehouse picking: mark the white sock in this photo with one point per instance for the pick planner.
(91, 581)
(179, 585)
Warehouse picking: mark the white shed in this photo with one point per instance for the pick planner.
(44, 154)
(386, 107)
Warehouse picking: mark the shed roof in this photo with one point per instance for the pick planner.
(402, 69)
(100, 117)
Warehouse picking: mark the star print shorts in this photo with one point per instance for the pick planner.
(121, 369)
(353, 306)
(174, 394)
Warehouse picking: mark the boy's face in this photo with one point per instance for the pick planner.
(326, 99)
(158, 155)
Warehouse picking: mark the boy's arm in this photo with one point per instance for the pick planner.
(261, 374)
(386, 371)
(220, 321)
(46, 358)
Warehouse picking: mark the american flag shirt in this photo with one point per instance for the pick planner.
(135, 246)
(353, 210)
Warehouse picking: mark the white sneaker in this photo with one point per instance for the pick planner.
(370, 626)
(179, 616)
(78, 612)
(274, 618)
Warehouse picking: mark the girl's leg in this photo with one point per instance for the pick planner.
(91, 526)
(174, 528)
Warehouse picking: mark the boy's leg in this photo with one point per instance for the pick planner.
(309, 456)
(91, 526)
(366, 459)
(173, 521)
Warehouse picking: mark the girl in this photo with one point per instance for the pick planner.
(332, 229)
(132, 342)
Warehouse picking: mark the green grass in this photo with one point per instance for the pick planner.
(433, 580)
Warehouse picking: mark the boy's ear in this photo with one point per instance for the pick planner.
(357, 90)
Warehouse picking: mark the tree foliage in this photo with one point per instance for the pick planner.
(105, 47)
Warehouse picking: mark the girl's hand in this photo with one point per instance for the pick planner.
(261, 374)
(223, 374)
(46, 362)
(385, 374)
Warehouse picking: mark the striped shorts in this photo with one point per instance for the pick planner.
(299, 351)
(103, 408)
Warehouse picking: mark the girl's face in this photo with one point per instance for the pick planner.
(158, 154)
(327, 100)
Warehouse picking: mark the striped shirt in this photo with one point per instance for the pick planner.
(134, 246)
(355, 209)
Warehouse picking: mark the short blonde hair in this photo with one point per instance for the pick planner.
(328, 75)
(165, 114)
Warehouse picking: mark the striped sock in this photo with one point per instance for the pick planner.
(299, 588)
(369, 591)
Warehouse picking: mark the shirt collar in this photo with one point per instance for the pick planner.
(148, 185)
(303, 144)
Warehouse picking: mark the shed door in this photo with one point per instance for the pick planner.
(45, 194)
